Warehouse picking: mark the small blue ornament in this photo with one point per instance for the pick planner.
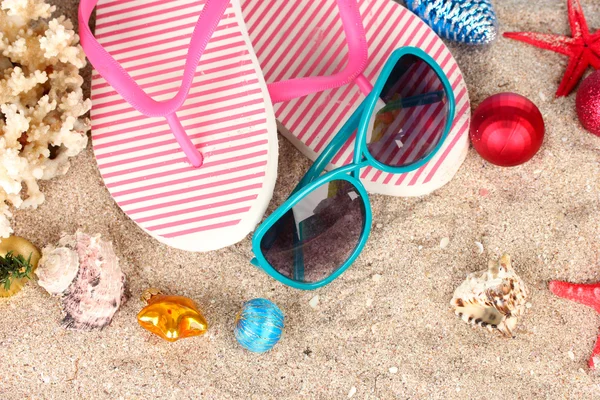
(466, 21)
(259, 325)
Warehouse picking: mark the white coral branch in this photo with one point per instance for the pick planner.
(60, 43)
(23, 11)
(41, 102)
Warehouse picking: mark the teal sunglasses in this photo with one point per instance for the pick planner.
(318, 232)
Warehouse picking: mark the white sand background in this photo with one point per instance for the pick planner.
(544, 213)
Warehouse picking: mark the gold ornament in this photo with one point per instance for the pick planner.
(171, 317)
(13, 281)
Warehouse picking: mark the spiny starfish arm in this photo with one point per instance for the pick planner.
(560, 44)
(575, 70)
(579, 27)
(595, 358)
(588, 295)
(594, 38)
(594, 60)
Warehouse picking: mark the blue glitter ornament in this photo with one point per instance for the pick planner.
(259, 325)
(466, 21)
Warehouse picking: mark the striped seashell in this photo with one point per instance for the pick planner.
(493, 299)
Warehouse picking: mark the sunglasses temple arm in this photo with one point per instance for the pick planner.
(332, 148)
(413, 101)
(298, 273)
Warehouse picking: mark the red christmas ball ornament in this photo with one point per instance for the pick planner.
(588, 103)
(507, 129)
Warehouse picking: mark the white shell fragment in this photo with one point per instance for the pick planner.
(492, 299)
(479, 247)
(352, 392)
(444, 242)
(84, 271)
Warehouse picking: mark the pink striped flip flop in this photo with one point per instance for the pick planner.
(323, 38)
(186, 144)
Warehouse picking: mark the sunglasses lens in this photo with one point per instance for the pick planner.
(410, 118)
(317, 236)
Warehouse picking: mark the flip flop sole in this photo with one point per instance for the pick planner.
(295, 39)
(227, 115)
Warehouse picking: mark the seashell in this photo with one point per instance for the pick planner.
(492, 299)
(84, 271)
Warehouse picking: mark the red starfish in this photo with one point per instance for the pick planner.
(584, 294)
(583, 48)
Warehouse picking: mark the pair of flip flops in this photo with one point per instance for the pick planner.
(184, 124)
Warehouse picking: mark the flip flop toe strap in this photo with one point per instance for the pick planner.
(357, 60)
(112, 71)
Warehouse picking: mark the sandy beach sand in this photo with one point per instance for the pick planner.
(544, 213)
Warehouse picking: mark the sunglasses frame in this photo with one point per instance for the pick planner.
(359, 121)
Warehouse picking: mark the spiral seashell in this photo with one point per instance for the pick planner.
(85, 273)
(58, 269)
